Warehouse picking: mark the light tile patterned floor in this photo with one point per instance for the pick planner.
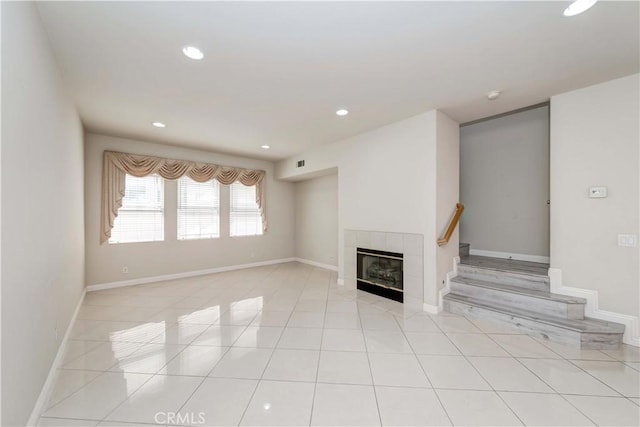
(284, 345)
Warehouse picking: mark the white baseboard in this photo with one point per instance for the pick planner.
(447, 287)
(430, 308)
(631, 331)
(435, 309)
(47, 388)
(166, 277)
(508, 255)
(317, 264)
(341, 282)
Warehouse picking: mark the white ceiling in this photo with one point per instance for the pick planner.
(274, 73)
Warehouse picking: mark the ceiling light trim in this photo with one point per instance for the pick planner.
(193, 52)
(578, 7)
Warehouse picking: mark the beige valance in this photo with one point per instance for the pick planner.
(118, 165)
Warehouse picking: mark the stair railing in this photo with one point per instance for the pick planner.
(452, 225)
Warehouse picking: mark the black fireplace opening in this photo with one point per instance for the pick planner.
(380, 273)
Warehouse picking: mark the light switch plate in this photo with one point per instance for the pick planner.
(597, 192)
(628, 240)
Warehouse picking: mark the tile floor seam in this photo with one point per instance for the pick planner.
(578, 409)
(487, 381)
(425, 372)
(315, 386)
(206, 376)
(79, 356)
(598, 379)
(67, 397)
(547, 343)
(373, 382)
(512, 355)
(259, 381)
(128, 397)
(530, 370)
(133, 394)
(566, 400)
(534, 373)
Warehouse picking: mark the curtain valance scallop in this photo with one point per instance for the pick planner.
(118, 165)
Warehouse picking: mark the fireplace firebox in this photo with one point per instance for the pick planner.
(380, 273)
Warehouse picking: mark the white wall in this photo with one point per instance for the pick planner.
(385, 182)
(316, 202)
(317, 162)
(403, 178)
(594, 142)
(42, 210)
(504, 183)
(447, 193)
(388, 180)
(151, 259)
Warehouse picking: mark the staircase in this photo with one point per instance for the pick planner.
(518, 293)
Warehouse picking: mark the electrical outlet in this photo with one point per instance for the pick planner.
(252, 255)
(125, 270)
(55, 331)
(598, 192)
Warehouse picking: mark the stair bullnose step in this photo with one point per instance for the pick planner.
(534, 293)
(506, 265)
(585, 334)
(513, 278)
(489, 271)
(586, 325)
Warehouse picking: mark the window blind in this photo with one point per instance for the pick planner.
(245, 218)
(198, 209)
(141, 217)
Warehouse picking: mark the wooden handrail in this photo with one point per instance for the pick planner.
(452, 225)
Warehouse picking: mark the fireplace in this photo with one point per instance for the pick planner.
(380, 273)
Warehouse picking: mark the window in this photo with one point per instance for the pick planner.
(198, 209)
(246, 219)
(141, 217)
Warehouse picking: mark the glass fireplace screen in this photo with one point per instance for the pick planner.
(380, 272)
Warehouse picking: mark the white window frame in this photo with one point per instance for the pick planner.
(132, 211)
(245, 207)
(207, 210)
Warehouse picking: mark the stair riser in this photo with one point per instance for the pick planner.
(539, 283)
(464, 249)
(517, 301)
(598, 341)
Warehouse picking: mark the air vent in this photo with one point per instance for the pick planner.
(300, 163)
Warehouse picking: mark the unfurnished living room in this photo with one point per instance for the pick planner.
(320, 213)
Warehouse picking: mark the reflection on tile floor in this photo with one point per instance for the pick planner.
(285, 345)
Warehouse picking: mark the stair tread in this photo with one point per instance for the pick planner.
(588, 325)
(507, 265)
(515, 289)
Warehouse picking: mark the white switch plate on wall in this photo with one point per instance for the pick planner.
(597, 192)
(628, 240)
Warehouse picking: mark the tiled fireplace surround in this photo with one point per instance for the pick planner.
(410, 245)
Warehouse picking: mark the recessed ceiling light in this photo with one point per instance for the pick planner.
(192, 52)
(159, 124)
(342, 112)
(578, 6)
(266, 147)
(494, 94)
